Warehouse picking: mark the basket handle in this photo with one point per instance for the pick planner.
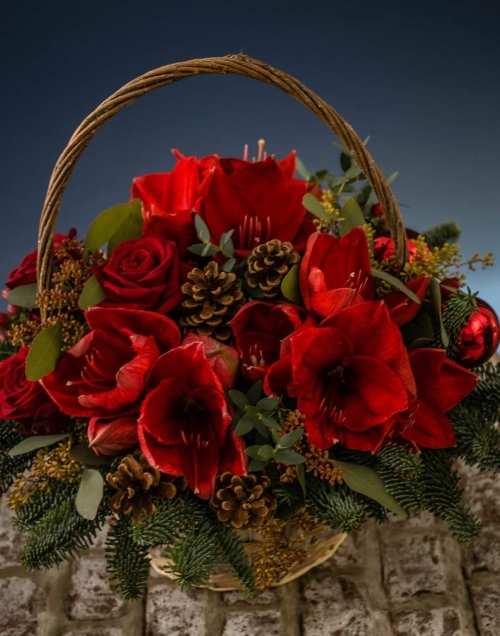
(232, 64)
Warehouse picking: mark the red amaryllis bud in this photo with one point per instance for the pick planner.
(224, 360)
(111, 437)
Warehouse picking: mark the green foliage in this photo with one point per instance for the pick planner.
(234, 555)
(59, 536)
(401, 472)
(485, 398)
(127, 563)
(44, 352)
(478, 439)
(7, 350)
(438, 235)
(443, 496)
(44, 500)
(456, 313)
(10, 466)
(337, 506)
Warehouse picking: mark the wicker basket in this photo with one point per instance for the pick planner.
(319, 543)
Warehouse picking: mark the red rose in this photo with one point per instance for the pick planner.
(27, 401)
(351, 376)
(144, 273)
(25, 272)
(104, 374)
(441, 385)
(335, 273)
(184, 427)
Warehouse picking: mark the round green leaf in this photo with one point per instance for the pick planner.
(92, 294)
(313, 205)
(34, 443)
(44, 353)
(108, 223)
(89, 494)
(202, 230)
(24, 296)
(352, 215)
(290, 285)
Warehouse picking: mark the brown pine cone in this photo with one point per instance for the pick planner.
(242, 502)
(213, 298)
(268, 264)
(139, 484)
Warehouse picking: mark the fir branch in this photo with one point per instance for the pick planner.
(10, 467)
(30, 513)
(401, 472)
(478, 439)
(486, 396)
(234, 555)
(438, 235)
(59, 536)
(337, 506)
(127, 563)
(456, 314)
(443, 496)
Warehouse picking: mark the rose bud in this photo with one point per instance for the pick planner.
(111, 437)
(224, 360)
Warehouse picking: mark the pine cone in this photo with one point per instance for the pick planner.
(268, 264)
(138, 484)
(213, 299)
(242, 502)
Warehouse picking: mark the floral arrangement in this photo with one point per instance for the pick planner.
(234, 353)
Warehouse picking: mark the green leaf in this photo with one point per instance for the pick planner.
(418, 332)
(345, 161)
(392, 177)
(202, 230)
(266, 452)
(245, 425)
(301, 169)
(275, 436)
(270, 423)
(268, 405)
(130, 229)
(34, 443)
(254, 392)
(92, 294)
(108, 223)
(301, 477)
(256, 465)
(366, 481)
(261, 427)
(291, 438)
(289, 457)
(238, 398)
(252, 410)
(24, 296)
(290, 285)
(44, 353)
(85, 455)
(311, 203)
(395, 282)
(253, 451)
(203, 249)
(286, 511)
(353, 171)
(352, 215)
(435, 290)
(228, 265)
(89, 494)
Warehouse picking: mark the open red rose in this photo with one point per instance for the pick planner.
(350, 376)
(335, 273)
(259, 201)
(441, 385)
(184, 427)
(25, 401)
(144, 273)
(104, 375)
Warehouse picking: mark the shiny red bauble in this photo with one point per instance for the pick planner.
(480, 337)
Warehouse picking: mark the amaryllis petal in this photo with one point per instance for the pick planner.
(223, 359)
(403, 309)
(111, 437)
(278, 377)
(430, 428)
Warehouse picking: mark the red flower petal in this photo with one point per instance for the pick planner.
(403, 309)
(430, 428)
(112, 437)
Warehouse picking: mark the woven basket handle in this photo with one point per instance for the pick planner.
(233, 64)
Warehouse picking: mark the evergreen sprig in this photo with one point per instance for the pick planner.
(486, 396)
(478, 439)
(10, 467)
(337, 506)
(401, 472)
(438, 235)
(456, 314)
(30, 513)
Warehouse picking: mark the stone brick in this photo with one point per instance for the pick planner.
(22, 602)
(413, 565)
(437, 622)
(256, 623)
(90, 631)
(487, 608)
(170, 612)
(263, 598)
(348, 555)
(335, 607)
(91, 595)
(484, 556)
(11, 540)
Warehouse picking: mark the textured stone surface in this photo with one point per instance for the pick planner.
(258, 623)
(264, 598)
(10, 539)
(105, 631)
(439, 622)
(21, 604)
(487, 606)
(91, 596)
(171, 612)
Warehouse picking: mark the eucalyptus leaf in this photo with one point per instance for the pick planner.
(301, 169)
(353, 171)
(395, 282)
(238, 398)
(92, 294)
(289, 457)
(201, 227)
(266, 452)
(345, 161)
(290, 285)
(366, 481)
(108, 223)
(352, 215)
(275, 436)
(254, 392)
(24, 296)
(245, 425)
(270, 423)
(291, 438)
(90, 493)
(34, 443)
(436, 300)
(228, 265)
(252, 410)
(256, 465)
(268, 405)
(85, 455)
(44, 353)
(301, 477)
(131, 227)
(313, 205)
(253, 451)
(392, 177)
(261, 427)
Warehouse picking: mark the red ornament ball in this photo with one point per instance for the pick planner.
(480, 337)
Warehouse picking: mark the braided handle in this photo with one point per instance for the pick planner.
(233, 64)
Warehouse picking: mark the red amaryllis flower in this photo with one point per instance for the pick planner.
(223, 359)
(441, 385)
(27, 401)
(261, 331)
(111, 437)
(335, 273)
(350, 377)
(402, 309)
(259, 201)
(104, 374)
(144, 273)
(184, 427)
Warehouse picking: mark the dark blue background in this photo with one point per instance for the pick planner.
(420, 78)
